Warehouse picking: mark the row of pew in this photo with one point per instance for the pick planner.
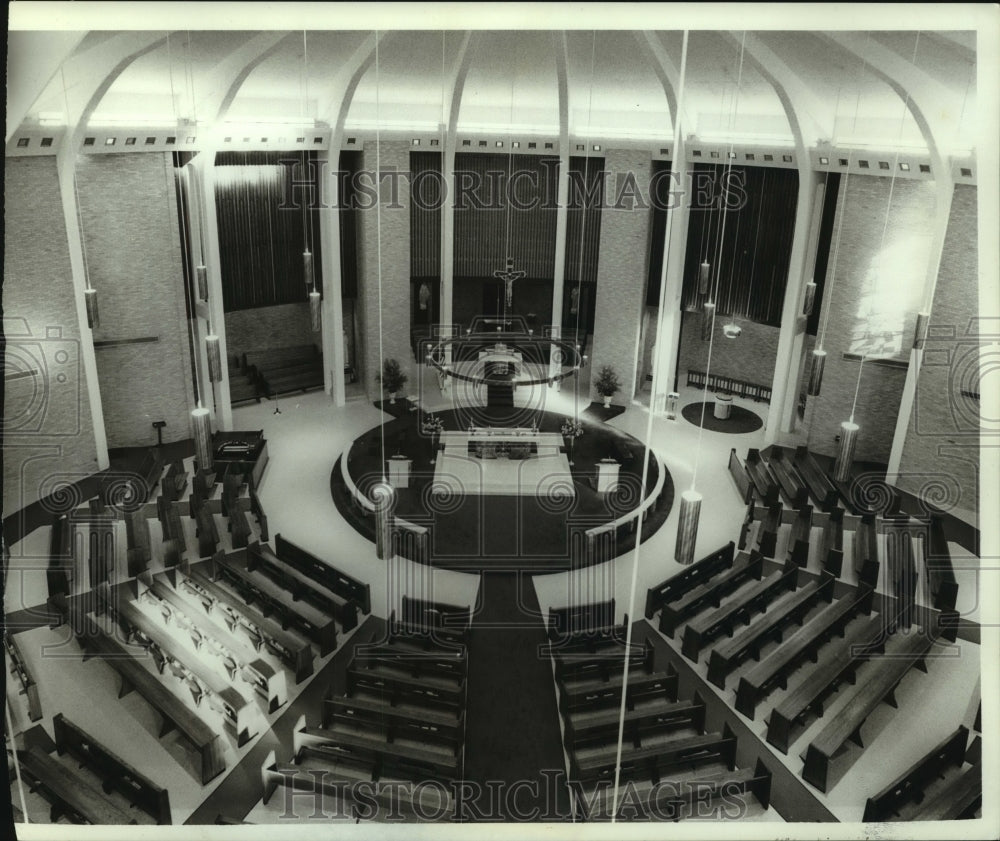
(396, 727)
(276, 371)
(672, 765)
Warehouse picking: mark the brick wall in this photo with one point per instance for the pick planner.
(395, 297)
(264, 328)
(862, 202)
(941, 450)
(48, 431)
(128, 211)
(621, 274)
(750, 357)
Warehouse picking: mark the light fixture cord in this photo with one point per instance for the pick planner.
(718, 272)
(378, 216)
(857, 388)
(636, 552)
(586, 191)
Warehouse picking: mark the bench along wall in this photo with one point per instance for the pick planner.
(264, 328)
(48, 430)
(128, 212)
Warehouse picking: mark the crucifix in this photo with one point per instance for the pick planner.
(508, 276)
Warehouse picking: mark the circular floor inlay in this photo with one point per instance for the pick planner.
(739, 422)
(476, 521)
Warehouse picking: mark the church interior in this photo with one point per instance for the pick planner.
(499, 425)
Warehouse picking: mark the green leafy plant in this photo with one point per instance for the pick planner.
(606, 383)
(392, 377)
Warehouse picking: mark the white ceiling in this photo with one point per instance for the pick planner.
(511, 83)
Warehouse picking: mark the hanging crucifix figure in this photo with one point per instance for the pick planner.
(508, 276)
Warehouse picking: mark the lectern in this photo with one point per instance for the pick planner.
(399, 471)
(607, 474)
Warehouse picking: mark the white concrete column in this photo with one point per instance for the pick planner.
(668, 319)
(786, 367)
(204, 170)
(66, 169)
(333, 304)
(945, 194)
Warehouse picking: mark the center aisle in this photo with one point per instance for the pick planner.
(512, 720)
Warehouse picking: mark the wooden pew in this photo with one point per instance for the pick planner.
(831, 547)
(371, 709)
(673, 801)
(348, 588)
(959, 800)
(420, 614)
(767, 532)
(427, 637)
(656, 759)
(67, 791)
(865, 544)
(174, 481)
(774, 669)
(417, 663)
(378, 748)
(909, 786)
(738, 470)
(937, 563)
(176, 714)
(901, 567)
(206, 530)
(301, 585)
(792, 489)
(61, 569)
(237, 658)
(820, 488)
(308, 378)
(139, 552)
(258, 511)
(593, 698)
(571, 668)
(18, 667)
(594, 731)
(174, 544)
(580, 619)
(116, 773)
(239, 714)
(255, 587)
(790, 609)
(764, 483)
(881, 680)
(444, 693)
(737, 609)
(149, 471)
(260, 629)
(682, 582)
(395, 723)
(746, 567)
(838, 664)
(798, 543)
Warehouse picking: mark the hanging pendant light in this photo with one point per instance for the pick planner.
(810, 299)
(704, 274)
(707, 320)
(93, 316)
(920, 330)
(201, 273)
(307, 266)
(845, 458)
(687, 526)
(816, 372)
(316, 310)
(202, 437)
(214, 354)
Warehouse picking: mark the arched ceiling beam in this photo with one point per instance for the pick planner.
(340, 92)
(924, 96)
(665, 70)
(33, 59)
(809, 120)
(227, 77)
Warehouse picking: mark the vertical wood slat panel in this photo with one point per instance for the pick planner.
(261, 238)
(425, 215)
(482, 219)
(750, 271)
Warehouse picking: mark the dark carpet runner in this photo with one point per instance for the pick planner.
(513, 746)
(740, 420)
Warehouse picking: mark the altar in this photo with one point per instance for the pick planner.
(503, 460)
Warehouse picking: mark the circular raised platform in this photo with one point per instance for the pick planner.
(544, 524)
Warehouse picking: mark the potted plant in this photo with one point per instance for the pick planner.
(392, 378)
(607, 384)
(571, 430)
(432, 426)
